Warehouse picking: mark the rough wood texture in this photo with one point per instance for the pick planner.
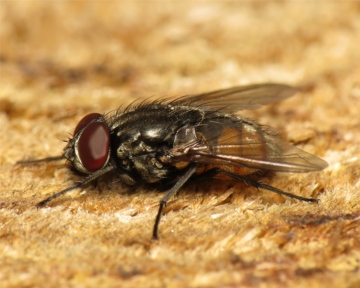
(61, 60)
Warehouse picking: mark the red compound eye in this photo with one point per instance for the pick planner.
(85, 121)
(93, 145)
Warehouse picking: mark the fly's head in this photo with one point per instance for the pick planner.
(89, 149)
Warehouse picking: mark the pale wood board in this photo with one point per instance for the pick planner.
(62, 59)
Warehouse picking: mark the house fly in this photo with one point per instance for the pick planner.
(169, 141)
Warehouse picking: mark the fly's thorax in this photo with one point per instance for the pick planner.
(140, 140)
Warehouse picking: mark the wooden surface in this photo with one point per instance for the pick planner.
(61, 60)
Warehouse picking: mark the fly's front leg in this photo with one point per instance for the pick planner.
(83, 182)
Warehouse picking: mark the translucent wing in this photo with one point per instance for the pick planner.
(239, 143)
(240, 97)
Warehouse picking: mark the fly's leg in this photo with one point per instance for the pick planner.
(169, 194)
(85, 181)
(47, 159)
(255, 183)
(56, 195)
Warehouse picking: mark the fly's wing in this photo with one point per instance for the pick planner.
(239, 98)
(242, 144)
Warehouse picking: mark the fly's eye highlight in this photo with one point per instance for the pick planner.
(85, 121)
(93, 143)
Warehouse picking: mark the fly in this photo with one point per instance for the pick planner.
(167, 142)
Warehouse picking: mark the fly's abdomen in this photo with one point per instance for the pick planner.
(229, 139)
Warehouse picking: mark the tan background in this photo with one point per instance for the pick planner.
(61, 60)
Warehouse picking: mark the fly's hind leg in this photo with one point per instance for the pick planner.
(255, 183)
(209, 174)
